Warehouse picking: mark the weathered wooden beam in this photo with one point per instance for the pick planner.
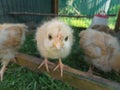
(52, 14)
(44, 14)
(75, 78)
(117, 25)
(55, 4)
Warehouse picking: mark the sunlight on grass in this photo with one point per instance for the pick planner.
(85, 22)
(77, 22)
(112, 22)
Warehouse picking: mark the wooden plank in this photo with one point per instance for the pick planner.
(74, 77)
(52, 15)
(117, 25)
(55, 2)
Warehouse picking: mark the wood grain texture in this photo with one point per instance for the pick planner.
(75, 78)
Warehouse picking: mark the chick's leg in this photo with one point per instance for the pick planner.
(5, 62)
(60, 65)
(90, 72)
(14, 59)
(2, 71)
(44, 62)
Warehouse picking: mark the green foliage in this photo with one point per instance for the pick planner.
(69, 10)
(114, 9)
(85, 22)
(87, 7)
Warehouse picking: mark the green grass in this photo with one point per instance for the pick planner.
(20, 78)
(86, 22)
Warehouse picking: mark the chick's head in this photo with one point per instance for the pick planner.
(59, 35)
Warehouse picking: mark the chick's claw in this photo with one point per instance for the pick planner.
(45, 62)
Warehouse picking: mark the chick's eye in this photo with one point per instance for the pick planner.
(66, 38)
(49, 37)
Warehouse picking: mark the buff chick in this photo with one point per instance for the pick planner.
(12, 37)
(54, 40)
(100, 49)
(102, 28)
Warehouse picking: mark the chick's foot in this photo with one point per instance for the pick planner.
(44, 62)
(90, 72)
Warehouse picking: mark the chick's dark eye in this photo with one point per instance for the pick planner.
(66, 38)
(49, 37)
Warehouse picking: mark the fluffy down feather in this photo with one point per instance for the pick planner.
(102, 28)
(12, 37)
(54, 40)
(100, 48)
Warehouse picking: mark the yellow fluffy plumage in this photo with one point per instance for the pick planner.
(54, 40)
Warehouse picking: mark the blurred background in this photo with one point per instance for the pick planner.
(68, 10)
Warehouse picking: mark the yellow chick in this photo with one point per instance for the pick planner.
(100, 48)
(12, 37)
(54, 40)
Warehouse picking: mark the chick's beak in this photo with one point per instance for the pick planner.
(58, 44)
